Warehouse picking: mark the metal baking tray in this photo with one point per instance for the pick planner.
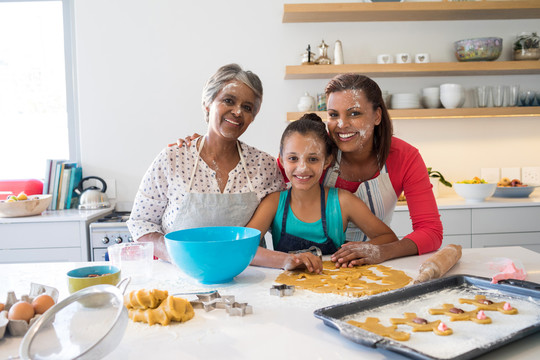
(335, 316)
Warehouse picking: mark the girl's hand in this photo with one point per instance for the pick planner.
(358, 253)
(180, 142)
(306, 260)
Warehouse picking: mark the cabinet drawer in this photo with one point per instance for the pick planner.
(455, 222)
(528, 240)
(39, 235)
(40, 255)
(506, 220)
(463, 240)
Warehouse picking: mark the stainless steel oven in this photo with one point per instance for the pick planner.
(106, 231)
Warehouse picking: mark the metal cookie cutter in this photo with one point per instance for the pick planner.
(313, 249)
(238, 309)
(213, 300)
(282, 290)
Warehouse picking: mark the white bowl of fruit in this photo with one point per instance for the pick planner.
(24, 205)
(513, 188)
(475, 190)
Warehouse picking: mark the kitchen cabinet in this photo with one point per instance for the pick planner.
(495, 222)
(415, 11)
(50, 237)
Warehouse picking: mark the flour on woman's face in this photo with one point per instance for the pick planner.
(351, 119)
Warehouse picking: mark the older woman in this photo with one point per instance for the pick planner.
(214, 181)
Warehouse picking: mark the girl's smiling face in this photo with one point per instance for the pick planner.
(351, 120)
(304, 159)
(232, 111)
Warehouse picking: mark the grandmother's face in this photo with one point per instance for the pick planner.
(232, 111)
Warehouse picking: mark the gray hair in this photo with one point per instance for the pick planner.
(224, 75)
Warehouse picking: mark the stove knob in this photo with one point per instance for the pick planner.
(105, 240)
(119, 240)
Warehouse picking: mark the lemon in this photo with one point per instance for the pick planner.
(22, 196)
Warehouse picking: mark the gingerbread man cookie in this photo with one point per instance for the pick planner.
(372, 325)
(482, 303)
(457, 314)
(420, 324)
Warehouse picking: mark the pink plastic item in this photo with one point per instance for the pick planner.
(506, 270)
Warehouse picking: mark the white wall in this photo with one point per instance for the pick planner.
(141, 66)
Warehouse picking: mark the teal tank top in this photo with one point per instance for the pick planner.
(311, 231)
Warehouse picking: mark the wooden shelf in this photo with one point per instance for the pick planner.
(409, 70)
(411, 11)
(491, 112)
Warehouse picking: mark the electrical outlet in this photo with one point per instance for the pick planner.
(491, 175)
(511, 173)
(530, 175)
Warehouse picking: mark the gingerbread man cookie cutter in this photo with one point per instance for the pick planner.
(421, 324)
(373, 325)
(282, 290)
(457, 314)
(482, 303)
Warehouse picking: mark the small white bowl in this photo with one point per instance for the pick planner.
(474, 193)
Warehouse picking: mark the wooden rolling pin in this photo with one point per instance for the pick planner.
(439, 263)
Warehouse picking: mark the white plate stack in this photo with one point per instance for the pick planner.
(405, 101)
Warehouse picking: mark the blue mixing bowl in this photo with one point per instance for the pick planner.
(213, 255)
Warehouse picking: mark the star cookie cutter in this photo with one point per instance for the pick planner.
(312, 249)
(213, 300)
(282, 290)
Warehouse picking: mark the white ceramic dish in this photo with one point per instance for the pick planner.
(513, 192)
(35, 205)
(473, 193)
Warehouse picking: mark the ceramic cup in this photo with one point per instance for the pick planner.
(403, 58)
(452, 95)
(385, 59)
(431, 97)
(422, 58)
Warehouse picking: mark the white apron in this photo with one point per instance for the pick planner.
(378, 194)
(201, 209)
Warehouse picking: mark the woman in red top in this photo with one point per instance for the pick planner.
(377, 167)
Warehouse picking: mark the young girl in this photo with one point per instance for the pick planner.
(309, 214)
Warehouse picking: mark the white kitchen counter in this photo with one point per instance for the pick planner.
(59, 216)
(279, 328)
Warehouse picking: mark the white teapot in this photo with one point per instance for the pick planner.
(306, 103)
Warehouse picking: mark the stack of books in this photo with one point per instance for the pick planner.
(61, 180)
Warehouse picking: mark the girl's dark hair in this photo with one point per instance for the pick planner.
(382, 136)
(309, 124)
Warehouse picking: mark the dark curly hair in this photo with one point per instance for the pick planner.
(309, 123)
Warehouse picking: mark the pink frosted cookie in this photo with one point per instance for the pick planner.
(420, 324)
(482, 303)
(457, 314)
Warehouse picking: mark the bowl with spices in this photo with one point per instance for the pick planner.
(84, 277)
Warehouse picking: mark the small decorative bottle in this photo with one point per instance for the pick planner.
(338, 53)
(323, 58)
(321, 102)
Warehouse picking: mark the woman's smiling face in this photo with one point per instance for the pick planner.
(232, 111)
(351, 120)
(304, 159)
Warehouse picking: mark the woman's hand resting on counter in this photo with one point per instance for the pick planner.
(358, 253)
(187, 140)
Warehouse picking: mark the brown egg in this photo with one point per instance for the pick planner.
(42, 303)
(21, 310)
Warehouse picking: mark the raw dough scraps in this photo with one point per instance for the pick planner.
(372, 325)
(457, 314)
(420, 324)
(347, 281)
(157, 307)
(482, 303)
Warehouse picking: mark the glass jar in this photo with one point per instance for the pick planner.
(527, 47)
